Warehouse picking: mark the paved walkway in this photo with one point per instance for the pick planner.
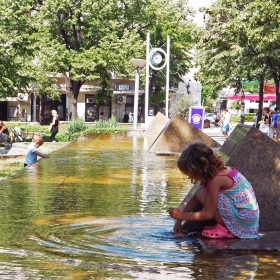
(19, 148)
(216, 134)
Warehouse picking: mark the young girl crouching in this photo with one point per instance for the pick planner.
(225, 194)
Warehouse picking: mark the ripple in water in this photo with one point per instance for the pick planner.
(141, 239)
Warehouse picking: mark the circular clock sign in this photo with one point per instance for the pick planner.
(158, 58)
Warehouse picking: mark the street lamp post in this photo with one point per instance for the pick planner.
(138, 64)
(34, 101)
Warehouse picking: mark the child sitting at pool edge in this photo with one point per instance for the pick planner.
(33, 152)
(225, 194)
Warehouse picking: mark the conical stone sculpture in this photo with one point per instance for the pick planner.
(177, 135)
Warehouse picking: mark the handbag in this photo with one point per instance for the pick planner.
(264, 128)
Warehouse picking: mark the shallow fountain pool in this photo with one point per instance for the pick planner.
(97, 209)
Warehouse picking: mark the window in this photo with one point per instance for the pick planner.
(12, 111)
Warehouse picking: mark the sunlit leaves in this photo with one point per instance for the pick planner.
(239, 40)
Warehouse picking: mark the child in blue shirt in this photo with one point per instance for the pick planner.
(33, 152)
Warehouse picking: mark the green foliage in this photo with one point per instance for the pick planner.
(104, 95)
(76, 126)
(15, 48)
(237, 44)
(157, 97)
(35, 128)
(209, 91)
(248, 118)
(117, 129)
(86, 41)
(182, 106)
(9, 165)
(60, 137)
(235, 105)
(111, 123)
(252, 87)
(208, 104)
(235, 119)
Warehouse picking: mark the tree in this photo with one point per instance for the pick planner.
(182, 105)
(175, 22)
(235, 105)
(15, 48)
(87, 41)
(236, 43)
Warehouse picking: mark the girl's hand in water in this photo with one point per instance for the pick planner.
(177, 227)
(175, 213)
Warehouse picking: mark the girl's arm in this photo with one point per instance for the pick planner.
(210, 207)
(188, 208)
(191, 204)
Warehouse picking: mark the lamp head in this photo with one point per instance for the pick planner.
(138, 62)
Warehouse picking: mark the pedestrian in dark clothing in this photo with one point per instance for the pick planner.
(125, 117)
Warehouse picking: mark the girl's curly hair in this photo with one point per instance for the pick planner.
(199, 162)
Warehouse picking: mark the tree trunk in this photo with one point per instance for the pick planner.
(276, 79)
(276, 82)
(260, 112)
(242, 119)
(73, 90)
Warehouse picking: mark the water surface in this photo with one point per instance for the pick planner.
(97, 209)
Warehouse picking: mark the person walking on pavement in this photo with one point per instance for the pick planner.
(225, 122)
(275, 124)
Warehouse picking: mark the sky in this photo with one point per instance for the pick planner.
(196, 4)
(198, 19)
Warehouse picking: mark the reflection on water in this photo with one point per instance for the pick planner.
(98, 209)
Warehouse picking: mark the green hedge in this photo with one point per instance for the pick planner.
(70, 132)
(248, 118)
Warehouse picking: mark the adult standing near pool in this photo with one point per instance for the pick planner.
(101, 117)
(54, 125)
(126, 117)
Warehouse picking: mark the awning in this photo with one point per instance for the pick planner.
(266, 97)
(270, 88)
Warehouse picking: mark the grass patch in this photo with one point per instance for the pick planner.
(73, 130)
(9, 165)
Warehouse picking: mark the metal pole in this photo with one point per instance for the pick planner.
(147, 78)
(34, 101)
(167, 76)
(135, 115)
(66, 78)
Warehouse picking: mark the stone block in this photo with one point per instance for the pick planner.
(157, 125)
(177, 135)
(257, 157)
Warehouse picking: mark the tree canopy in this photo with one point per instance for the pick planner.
(87, 40)
(240, 42)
